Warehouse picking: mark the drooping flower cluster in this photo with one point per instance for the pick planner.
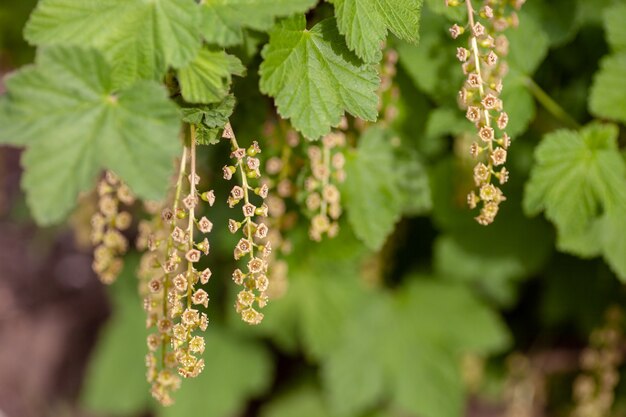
(171, 277)
(107, 226)
(388, 92)
(321, 195)
(594, 388)
(254, 244)
(484, 66)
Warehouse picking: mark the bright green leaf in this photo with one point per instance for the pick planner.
(373, 197)
(223, 21)
(528, 45)
(579, 180)
(140, 38)
(314, 78)
(209, 119)
(74, 124)
(614, 18)
(207, 78)
(608, 92)
(431, 323)
(365, 23)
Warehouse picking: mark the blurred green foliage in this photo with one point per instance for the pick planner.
(375, 322)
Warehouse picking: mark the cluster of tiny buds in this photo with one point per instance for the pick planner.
(173, 301)
(321, 195)
(484, 67)
(254, 243)
(107, 226)
(600, 362)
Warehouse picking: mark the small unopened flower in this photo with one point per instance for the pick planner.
(200, 297)
(498, 156)
(456, 30)
(193, 255)
(486, 12)
(486, 134)
(205, 225)
(462, 54)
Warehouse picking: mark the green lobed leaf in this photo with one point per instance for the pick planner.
(373, 197)
(65, 110)
(528, 45)
(614, 18)
(303, 401)
(365, 23)
(406, 348)
(208, 77)
(209, 119)
(608, 92)
(579, 180)
(140, 38)
(223, 21)
(314, 78)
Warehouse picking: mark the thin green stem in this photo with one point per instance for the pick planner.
(192, 212)
(170, 244)
(550, 105)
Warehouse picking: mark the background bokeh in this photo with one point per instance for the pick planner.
(447, 319)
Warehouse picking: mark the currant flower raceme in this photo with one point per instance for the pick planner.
(254, 244)
(107, 226)
(484, 65)
(173, 301)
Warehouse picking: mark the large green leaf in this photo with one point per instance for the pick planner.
(579, 180)
(373, 195)
(140, 38)
(207, 78)
(65, 110)
(608, 92)
(406, 348)
(314, 78)
(365, 23)
(223, 21)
